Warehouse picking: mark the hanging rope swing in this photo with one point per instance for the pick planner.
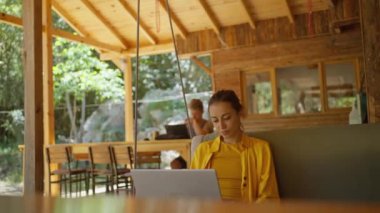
(137, 76)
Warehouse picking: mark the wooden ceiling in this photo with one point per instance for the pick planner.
(110, 25)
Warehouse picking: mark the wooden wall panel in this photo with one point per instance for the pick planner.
(301, 121)
(229, 80)
(301, 51)
(229, 64)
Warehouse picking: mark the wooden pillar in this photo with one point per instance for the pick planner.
(370, 18)
(48, 84)
(128, 100)
(33, 92)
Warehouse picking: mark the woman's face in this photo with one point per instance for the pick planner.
(196, 114)
(225, 119)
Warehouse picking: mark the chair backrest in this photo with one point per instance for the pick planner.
(149, 159)
(122, 155)
(196, 140)
(57, 154)
(100, 154)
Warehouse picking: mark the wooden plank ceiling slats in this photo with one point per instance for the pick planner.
(110, 25)
(105, 22)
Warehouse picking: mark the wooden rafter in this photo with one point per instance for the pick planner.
(178, 25)
(211, 16)
(201, 65)
(88, 41)
(12, 20)
(144, 50)
(289, 11)
(144, 28)
(250, 19)
(68, 19)
(17, 22)
(106, 23)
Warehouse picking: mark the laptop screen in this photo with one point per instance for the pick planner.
(176, 183)
(179, 130)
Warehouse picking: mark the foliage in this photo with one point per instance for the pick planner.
(159, 77)
(80, 78)
(11, 94)
(161, 72)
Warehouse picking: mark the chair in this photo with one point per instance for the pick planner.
(151, 160)
(101, 166)
(123, 162)
(62, 156)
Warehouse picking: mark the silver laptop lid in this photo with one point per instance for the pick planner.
(176, 183)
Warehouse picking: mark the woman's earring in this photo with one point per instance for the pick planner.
(241, 127)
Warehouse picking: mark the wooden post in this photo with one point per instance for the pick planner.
(48, 85)
(33, 87)
(128, 100)
(370, 22)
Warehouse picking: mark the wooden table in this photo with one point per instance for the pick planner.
(116, 204)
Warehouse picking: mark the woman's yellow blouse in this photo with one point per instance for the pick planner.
(258, 179)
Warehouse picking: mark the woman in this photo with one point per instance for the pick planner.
(243, 164)
(198, 125)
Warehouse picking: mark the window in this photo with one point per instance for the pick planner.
(259, 93)
(298, 90)
(340, 84)
(302, 89)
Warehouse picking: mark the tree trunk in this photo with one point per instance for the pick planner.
(82, 120)
(71, 116)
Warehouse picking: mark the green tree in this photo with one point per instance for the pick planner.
(11, 94)
(81, 78)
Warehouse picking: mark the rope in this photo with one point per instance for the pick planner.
(136, 85)
(178, 65)
(137, 76)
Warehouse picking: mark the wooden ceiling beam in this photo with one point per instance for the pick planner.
(144, 50)
(17, 22)
(211, 16)
(289, 11)
(144, 28)
(250, 19)
(68, 19)
(177, 23)
(201, 65)
(104, 21)
(85, 40)
(11, 20)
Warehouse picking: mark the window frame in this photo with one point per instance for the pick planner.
(322, 82)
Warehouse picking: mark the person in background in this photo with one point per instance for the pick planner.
(243, 164)
(198, 125)
(178, 163)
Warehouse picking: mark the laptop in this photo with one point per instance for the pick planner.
(178, 131)
(187, 183)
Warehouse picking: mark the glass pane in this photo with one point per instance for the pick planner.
(259, 93)
(340, 79)
(298, 90)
